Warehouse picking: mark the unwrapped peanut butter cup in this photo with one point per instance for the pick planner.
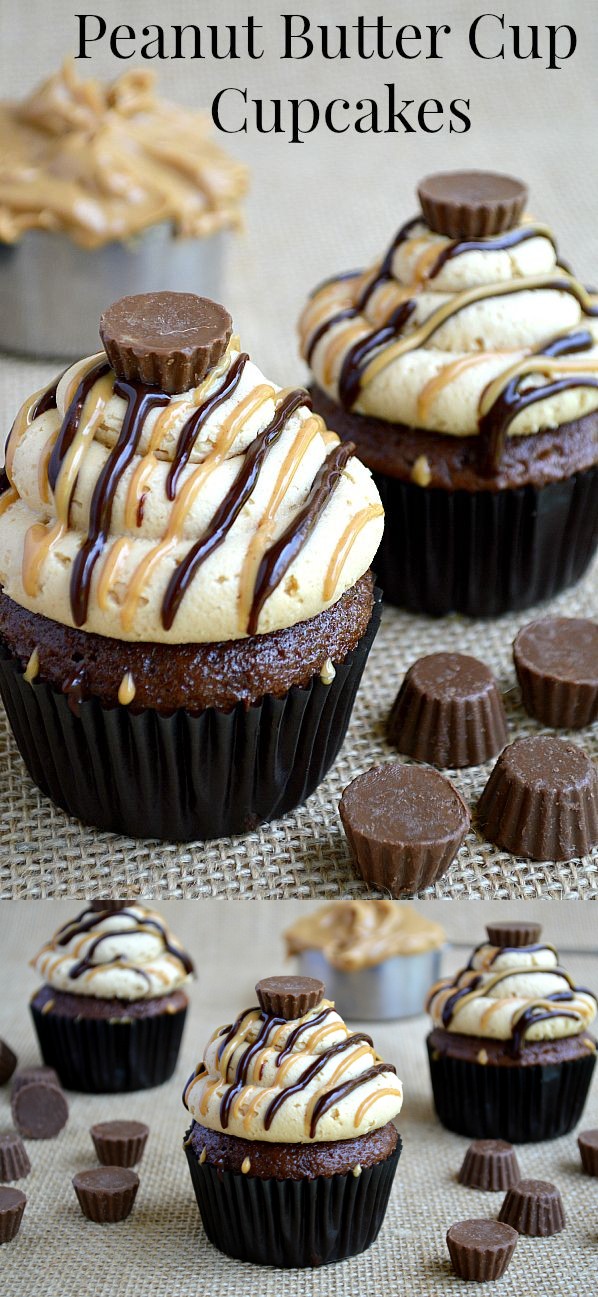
(510, 935)
(404, 825)
(26, 1075)
(119, 1143)
(481, 1250)
(109, 906)
(541, 800)
(471, 204)
(39, 1110)
(556, 660)
(167, 340)
(289, 997)
(12, 1206)
(8, 1062)
(534, 1207)
(490, 1164)
(106, 1193)
(14, 1160)
(588, 1148)
(449, 712)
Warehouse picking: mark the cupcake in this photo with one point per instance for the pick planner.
(376, 958)
(186, 605)
(510, 1054)
(464, 366)
(292, 1148)
(111, 1012)
(108, 189)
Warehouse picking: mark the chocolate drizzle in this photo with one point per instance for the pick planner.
(45, 402)
(341, 1091)
(192, 428)
(83, 925)
(72, 419)
(496, 243)
(231, 506)
(312, 1071)
(140, 401)
(277, 560)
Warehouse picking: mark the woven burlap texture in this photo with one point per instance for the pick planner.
(161, 1250)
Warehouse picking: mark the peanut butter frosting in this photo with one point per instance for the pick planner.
(513, 993)
(360, 934)
(127, 955)
(104, 162)
(301, 1081)
(490, 335)
(224, 511)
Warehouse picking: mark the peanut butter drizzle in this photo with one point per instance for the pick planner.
(345, 544)
(107, 577)
(351, 333)
(92, 414)
(537, 364)
(185, 500)
(29, 411)
(133, 512)
(43, 484)
(368, 1103)
(446, 376)
(32, 668)
(7, 498)
(126, 689)
(40, 540)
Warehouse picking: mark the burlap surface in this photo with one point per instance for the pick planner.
(161, 1250)
(315, 207)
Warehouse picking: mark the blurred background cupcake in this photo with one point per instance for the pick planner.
(377, 958)
(105, 190)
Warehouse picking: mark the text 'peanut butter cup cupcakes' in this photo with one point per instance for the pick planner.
(292, 1148)
(111, 1012)
(510, 1054)
(186, 605)
(464, 366)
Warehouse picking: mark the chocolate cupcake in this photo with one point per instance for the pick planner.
(510, 1054)
(464, 367)
(110, 1014)
(292, 1148)
(186, 607)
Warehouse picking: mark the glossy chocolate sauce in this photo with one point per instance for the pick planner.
(72, 419)
(340, 1092)
(79, 928)
(497, 243)
(192, 428)
(311, 1072)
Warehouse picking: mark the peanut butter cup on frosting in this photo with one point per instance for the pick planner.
(184, 550)
(110, 1014)
(292, 1120)
(463, 364)
(511, 1055)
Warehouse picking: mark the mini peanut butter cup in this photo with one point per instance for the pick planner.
(39, 1110)
(106, 1193)
(289, 997)
(481, 1250)
(109, 906)
(471, 204)
(541, 800)
(119, 1143)
(448, 712)
(12, 1206)
(167, 340)
(14, 1160)
(510, 935)
(556, 660)
(26, 1075)
(8, 1062)
(588, 1148)
(490, 1164)
(534, 1207)
(404, 825)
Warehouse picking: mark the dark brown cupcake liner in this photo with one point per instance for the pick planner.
(448, 728)
(483, 553)
(292, 1223)
(534, 1207)
(182, 777)
(534, 817)
(491, 1165)
(14, 1159)
(12, 1206)
(98, 1056)
(481, 1250)
(520, 1104)
(106, 1208)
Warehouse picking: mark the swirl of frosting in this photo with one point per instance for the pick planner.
(519, 994)
(301, 1081)
(104, 162)
(127, 955)
(490, 335)
(220, 512)
(361, 934)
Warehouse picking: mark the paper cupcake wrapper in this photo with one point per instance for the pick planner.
(183, 776)
(522, 1105)
(101, 1056)
(486, 552)
(292, 1223)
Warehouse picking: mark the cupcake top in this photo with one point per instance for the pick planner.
(360, 934)
(294, 1079)
(516, 992)
(127, 954)
(181, 497)
(104, 162)
(489, 334)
